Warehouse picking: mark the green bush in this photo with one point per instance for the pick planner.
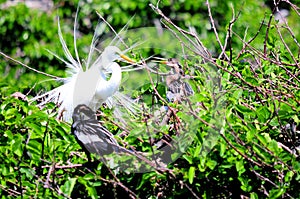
(255, 152)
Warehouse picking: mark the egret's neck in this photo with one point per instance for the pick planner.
(116, 77)
(106, 88)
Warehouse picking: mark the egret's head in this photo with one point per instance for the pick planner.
(111, 54)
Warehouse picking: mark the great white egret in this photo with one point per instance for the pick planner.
(90, 86)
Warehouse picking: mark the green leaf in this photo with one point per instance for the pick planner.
(223, 148)
(245, 183)
(273, 146)
(68, 187)
(17, 145)
(243, 109)
(276, 193)
(253, 196)
(37, 129)
(237, 93)
(263, 139)
(288, 176)
(285, 111)
(263, 114)
(197, 151)
(240, 167)
(34, 149)
(89, 176)
(274, 122)
(92, 192)
(191, 174)
(63, 133)
(250, 134)
(8, 134)
(29, 172)
(211, 164)
(252, 80)
(188, 158)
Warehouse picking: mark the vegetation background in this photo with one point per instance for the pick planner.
(257, 56)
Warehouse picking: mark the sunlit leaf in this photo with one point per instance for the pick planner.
(191, 174)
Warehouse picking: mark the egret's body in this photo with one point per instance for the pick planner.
(91, 86)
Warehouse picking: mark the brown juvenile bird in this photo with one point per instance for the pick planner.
(177, 88)
(177, 92)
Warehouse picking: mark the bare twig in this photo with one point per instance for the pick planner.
(268, 180)
(229, 34)
(203, 52)
(35, 70)
(11, 192)
(215, 30)
(247, 44)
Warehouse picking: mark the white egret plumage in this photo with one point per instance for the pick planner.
(89, 86)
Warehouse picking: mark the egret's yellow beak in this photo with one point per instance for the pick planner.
(127, 59)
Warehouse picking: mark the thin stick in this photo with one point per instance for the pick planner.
(35, 70)
(214, 28)
(112, 29)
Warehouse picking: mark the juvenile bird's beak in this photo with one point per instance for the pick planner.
(168, 62)
(164, 62)
(160, 60)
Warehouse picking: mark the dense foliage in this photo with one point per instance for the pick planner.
(256, 57)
